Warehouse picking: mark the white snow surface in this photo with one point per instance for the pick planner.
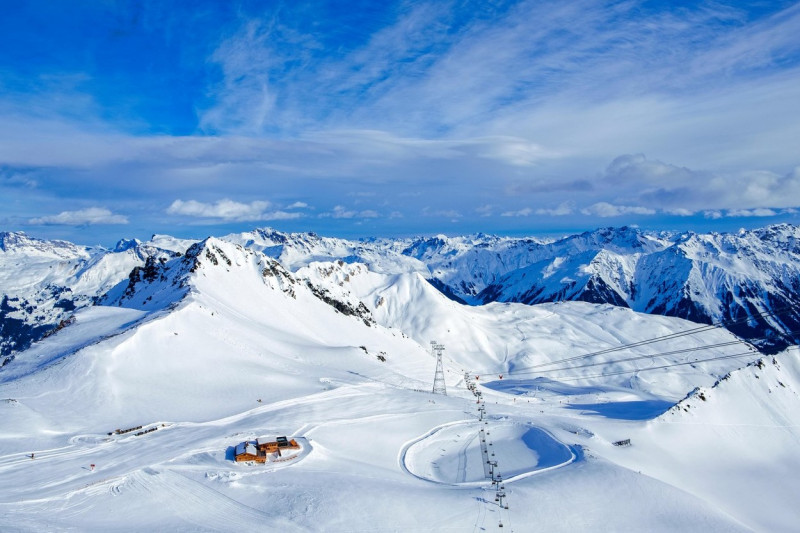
(224, 345)
(42, 282)
(746, 279)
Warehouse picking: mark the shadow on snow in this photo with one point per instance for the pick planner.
(636, 410)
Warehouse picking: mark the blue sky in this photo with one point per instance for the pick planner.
(389, 118)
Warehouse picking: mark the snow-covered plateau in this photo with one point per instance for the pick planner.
(594, 383)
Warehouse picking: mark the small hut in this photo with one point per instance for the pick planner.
(246, 451)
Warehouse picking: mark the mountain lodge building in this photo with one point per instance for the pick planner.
(264, 449)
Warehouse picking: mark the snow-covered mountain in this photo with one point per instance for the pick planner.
(43, 282)
(163, 282)
(740, 436)
(207, 344)
(748, 282)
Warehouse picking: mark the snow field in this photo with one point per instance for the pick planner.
(381, 455)
(451, 454)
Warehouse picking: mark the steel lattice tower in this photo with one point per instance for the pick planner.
(438, 378)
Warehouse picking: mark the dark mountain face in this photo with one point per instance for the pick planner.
(748, 282)
(43, 282)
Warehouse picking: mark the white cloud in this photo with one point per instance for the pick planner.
(381, 145)
(525, 212)
(246, 97)
(340, 211)
(446, 213)
(565, 208)
(485, 210)
(11, 177)
(524, 72)
(760, 212)
(89, 216)
(679, 211)
(675, 190)
(226, 209)
(605, 209)
(509, 150)
(522, 105)
(746, 213)
(637, 169)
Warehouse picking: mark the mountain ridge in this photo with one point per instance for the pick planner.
(749, 278)
(745, 278)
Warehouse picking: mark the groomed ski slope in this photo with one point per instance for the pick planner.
(383, 453)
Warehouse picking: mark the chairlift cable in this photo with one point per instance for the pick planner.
(638, 357)
(621, 372)
(671, 336)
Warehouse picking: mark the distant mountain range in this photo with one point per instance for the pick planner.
(747, 282)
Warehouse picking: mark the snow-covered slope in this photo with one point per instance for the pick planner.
(204, 318)
(43, 282)
(735, 444)
(224, 344)
(519, 339)
(748, 281)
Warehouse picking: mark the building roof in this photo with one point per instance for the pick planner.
(246, 448)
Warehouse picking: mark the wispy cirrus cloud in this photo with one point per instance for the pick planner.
(519, 69)
(18, 177)
(501, 114)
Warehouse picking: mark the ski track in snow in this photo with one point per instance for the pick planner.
(194, 502)
(462, 459)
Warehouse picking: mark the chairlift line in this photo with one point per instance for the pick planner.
(653, 356)
(671, 336)
(638, 357)
(621, 372)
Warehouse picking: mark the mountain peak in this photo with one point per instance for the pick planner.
(21, 242)
(126, 244)
(10, 239)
